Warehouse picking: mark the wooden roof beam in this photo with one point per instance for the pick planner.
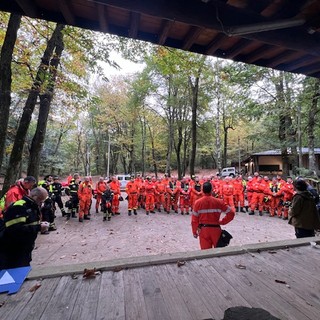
(314, 68)
(209, 16)
(302, 62)
(258, 53)
(214, 45)
(103, 17)
(281, 58)
(191, 37)
(134, 25)
(66, 12)
(28, 7)
(166, 26)
(236, 49)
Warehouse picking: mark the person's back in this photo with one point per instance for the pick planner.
(303, 214)
(206, 218)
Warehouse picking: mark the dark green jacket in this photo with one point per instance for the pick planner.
(303, 213)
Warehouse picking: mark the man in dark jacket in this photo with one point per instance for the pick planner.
(303, 214)
(22, 224)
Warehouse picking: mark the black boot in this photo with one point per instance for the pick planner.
(129, 212)
(135, 212)
(104, 218)
(242, 210)
(147, 213)
(251, 213)
(260, 213)
(86, 217)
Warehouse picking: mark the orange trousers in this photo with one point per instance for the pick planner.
(209, 237)
(132, 201)
(84, 205)
(115, 204)
(257, 201)
(149, 202)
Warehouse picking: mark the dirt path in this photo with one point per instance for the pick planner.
(139, 235)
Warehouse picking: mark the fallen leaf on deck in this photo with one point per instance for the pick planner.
(240, 266)
(35, 287)
(280, 281)
(74, 254)
(272, 252)
(74, 276)
(181, 263)
(148, 248)
(89, 273)
(2, 303)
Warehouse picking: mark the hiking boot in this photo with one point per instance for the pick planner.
(159, 210)
(104, 219)
(86, 217)
(242, 209)
(97, 211)
(260, 213)
(247, 208)
(135, 212)
(52, 227)
(147, 213)
(152, 211)
(129, 212)
(109, 218)
(285, 218)
(73, 215)
(80, 220)
(251, 213)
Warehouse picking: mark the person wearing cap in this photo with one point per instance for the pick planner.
(115, 189)
(206, 218)
(132, 190)
(20, 189)
(22, 224)
(303, 214)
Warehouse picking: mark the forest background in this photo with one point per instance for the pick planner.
(61, 113)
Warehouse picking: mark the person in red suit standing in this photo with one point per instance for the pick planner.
(206, 218)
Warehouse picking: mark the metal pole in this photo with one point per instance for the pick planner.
(108, 163)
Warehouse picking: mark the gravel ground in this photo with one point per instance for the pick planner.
(141, 235)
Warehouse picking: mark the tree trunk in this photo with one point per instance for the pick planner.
(194, 106)
(44, 109)
(311, 126)
(16, 154)
(6, 78)
(153, 152)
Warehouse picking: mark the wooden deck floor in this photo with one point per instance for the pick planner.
(200, 289)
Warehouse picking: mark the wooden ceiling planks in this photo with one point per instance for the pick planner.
(200, 26)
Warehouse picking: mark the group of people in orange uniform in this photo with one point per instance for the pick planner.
(168, 193)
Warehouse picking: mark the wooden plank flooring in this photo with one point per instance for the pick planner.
(200, 289)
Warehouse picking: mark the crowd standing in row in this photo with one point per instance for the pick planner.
(28, 208)
(168, 193)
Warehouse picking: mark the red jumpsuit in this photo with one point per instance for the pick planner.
(184, 200)
(150, 196)
(196, 193)
(168, 194)
(227, 192)
(249, 192)
(287, 190)
(85, 196)
(207, 211)
(132, 190)
(238, 193)
(258, 187)
(115, 189)
(175, 188)
(274, 196)
(160, 191)
(100, 189)
(216, 187)
(15, 193)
